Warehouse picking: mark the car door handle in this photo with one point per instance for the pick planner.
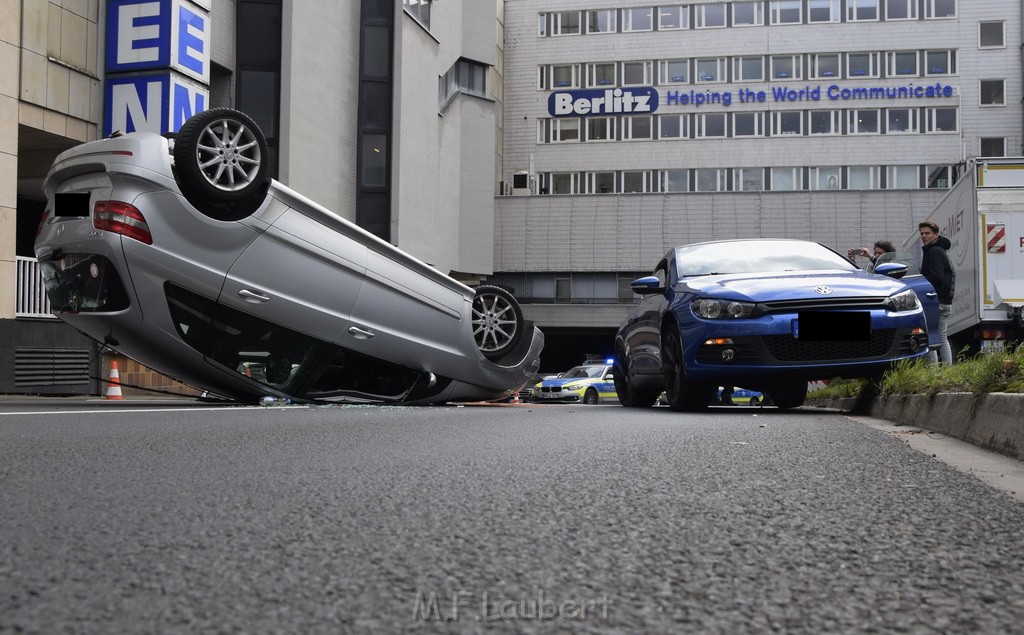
(253, 297)
(361, 334)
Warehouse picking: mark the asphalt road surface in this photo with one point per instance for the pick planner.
(492, 518)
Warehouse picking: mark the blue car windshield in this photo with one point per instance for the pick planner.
(583, 372)
(757, 256)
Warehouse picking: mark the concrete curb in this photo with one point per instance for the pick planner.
(994, 421)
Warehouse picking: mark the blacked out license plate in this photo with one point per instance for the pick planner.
(833, 326)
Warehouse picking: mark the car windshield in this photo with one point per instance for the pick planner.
(757, 256)
(582, 372)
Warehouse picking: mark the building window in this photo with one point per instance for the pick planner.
(826, 178)
(863, 122)
(785, 12)
(901, 177)
(749, 179)
(602, 74)
(940, 62)
(624, 290)
(861, 10)
(862, 177)
(673, 18)
(565, 76)
(993, 146)
(711, 125)
(542, 25)
(710, 179)
(748, 13)
(787, 123)
(675, 181)
(465, 76)
(901, 9)
(824, 122)
(940, 120)
(637, 127)
(786, 179)
(901, 121)
(675, 72)
(749, 69)
(711, 70)
(672, 127)
(600, 128)
(709, 16)
(901, 63)
(862, 64)
(637, 19)
(825, 65)
(993, 92)
(990, 35)
(939, 9)
(564, 183)
(823, 11)
(602, 21)
(565, 23)
(601, 182)
(419, 9)
(636, 73)
(563, 288)
(786, 67)
(938, 177)
(565, 130)
(635, 182)
(748, 124)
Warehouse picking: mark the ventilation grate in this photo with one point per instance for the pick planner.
(51, 366)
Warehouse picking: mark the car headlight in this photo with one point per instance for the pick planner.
(573, 387)
(903, 301)
(712, 309)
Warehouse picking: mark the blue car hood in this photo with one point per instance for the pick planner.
(791, 286)
(547, 383)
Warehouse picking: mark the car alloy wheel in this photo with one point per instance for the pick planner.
(590, 397)
(497, 321)
(629, 396)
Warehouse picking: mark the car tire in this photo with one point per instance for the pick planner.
(681, 394)
(221, 160)
(497, 321)
(755, 400)
(790, 395)
(590, 397)
(629, 396)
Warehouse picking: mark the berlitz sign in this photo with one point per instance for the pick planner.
(611, 101)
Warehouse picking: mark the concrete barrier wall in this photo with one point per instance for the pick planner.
(994, 421)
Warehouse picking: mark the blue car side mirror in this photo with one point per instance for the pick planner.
(646, 285)
(891, 269)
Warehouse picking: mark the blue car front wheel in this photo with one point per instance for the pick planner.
(681, 393)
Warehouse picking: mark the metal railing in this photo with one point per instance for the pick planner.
(31, 300)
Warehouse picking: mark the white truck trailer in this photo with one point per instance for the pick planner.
(983, 216)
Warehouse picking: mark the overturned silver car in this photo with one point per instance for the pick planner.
(182, 254)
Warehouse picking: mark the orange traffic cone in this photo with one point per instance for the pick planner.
(114, 384)
(515, 399)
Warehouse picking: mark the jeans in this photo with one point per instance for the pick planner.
(944, 353)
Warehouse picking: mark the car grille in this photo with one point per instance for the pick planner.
(816, 304)
(551, 389)
(787, 348)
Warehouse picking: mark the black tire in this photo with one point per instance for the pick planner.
(629, 396)
(681, 394)
(590, 397)
(497, 321)
(792, 395)
(221, 160)
(755, 400)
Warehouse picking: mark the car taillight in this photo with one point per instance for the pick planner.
(121, 218)
(42, 222)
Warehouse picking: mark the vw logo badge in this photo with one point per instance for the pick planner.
(823, 290)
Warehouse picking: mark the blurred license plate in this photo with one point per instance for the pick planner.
(833, 326)
(71, 204)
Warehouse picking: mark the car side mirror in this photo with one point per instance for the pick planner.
(646, 285)
(891, 269)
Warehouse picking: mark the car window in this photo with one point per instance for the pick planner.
(661, 272)
(757, 256)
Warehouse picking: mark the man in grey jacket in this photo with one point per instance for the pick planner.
(935, 266)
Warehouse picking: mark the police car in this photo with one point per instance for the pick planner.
(588, 383)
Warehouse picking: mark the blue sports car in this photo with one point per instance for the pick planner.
(766, 314)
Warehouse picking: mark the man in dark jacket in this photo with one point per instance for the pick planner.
(935, 266)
